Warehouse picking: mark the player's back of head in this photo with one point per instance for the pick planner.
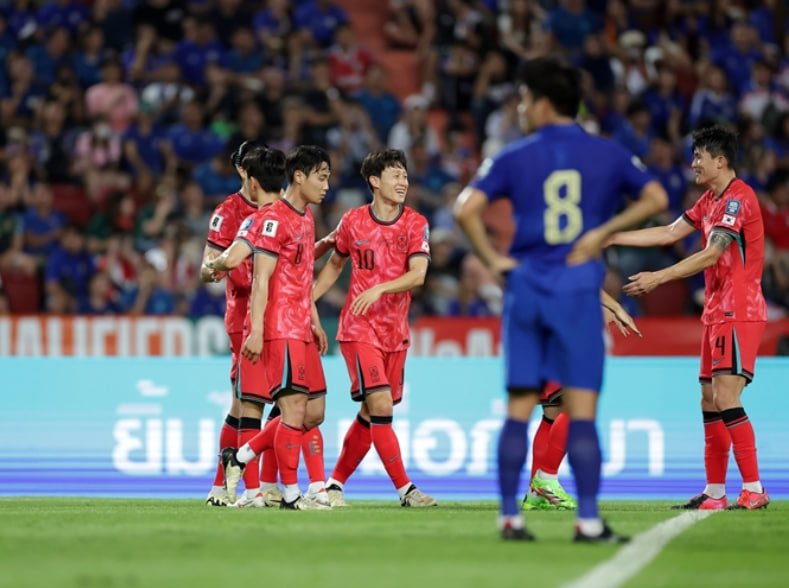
(306, 159)
(238, 155)
(377, 161)
(267, 166)
(717, 140)
(559, 82)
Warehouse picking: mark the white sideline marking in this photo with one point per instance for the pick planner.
(637, 554)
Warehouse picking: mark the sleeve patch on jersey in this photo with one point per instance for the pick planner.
(216, 222)
(729, 220)
(733, 207)
(636, 161)
(427, 233)
(244, 228)
(426, 246)
(484, 168)
(269, 228)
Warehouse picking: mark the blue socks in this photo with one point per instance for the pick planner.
(583, 452)
(513, 445)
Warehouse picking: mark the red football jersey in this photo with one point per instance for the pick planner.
(733, 286)
(222, 229)
(379, 252)
(289, 235)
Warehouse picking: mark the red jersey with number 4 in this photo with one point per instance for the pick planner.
(281, 231)
(379, 252)
(222, 228)
(733, 285)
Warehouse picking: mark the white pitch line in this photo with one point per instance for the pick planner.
(637, 554)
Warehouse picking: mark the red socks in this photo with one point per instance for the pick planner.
(717, 442)
(287, 444)
(248, 431)
(355, 446)
(228, 437)
(739, 428)
(557, 445)
(539, 446)
(312, 447)
(388, 448)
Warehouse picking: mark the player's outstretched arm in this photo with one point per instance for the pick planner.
(328, 275)
(614, 313)
(231, 257)
(654, 236)
(414, 277)
(468, 210)
(264, 267)
(644, 282)
(208, 274)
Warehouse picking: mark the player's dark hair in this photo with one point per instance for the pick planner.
(306, 159)
(550, 78)
(267, 166)
(238, 155)
(717, 141)
(376, 162)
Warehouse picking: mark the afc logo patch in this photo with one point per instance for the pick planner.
(402, 243)
(269, 228)
(244, 228)
(375, 375)
(216, 222)
(733, 207)
(302, 372)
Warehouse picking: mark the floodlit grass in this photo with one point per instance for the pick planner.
(54, 542)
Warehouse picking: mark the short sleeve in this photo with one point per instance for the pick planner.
(733, 215)
(419, 237)
(694, 215)
(268, 234)
(492, 178)
(246, 230)
(220, 228)
(341, 237)
(634, 175)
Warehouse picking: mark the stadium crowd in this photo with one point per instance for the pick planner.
(118, 119)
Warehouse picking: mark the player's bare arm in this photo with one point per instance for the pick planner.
(470, 205)
(322, 246)
(645, 282)
(652, 200)
(328, 275)
(264, 267)
(209, 274)
(614, 313)
(414, 277)
(231, 258)
(654, 236)
(319, 334)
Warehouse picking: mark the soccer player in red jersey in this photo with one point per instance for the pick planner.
(388, 247)
(222, 229)
(729, 217)
(287, 369)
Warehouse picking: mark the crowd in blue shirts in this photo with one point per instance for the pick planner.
(118, 118)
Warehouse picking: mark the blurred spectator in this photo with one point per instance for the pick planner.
(412, 125)
(43, 225)
(68, 271)
(115, 19)
(348, 60)
(382, 106)
(195, 215)
(662, 164)
(67, 92)
(570, 23)
(320, 105)
(636, 133)
(317, 20)
(119, 262)
(666, 105)
(712, 102)
(478, 295)
(47, 56)
(150, 294)
(737, 56)
(99, 298)
(216, 178)
(351, 141)
(778, 143)
(112, 99)
(775, 212)
(492, 87)
(12, 255)
(198, 50)
(23, 92)
(229, 17)
(97, 158)
(596, 60)
(153, 216)
(761, 100)
(274, 29)
(144, 145)
(244, 56)
(163, 16)
(68, 14)
(191, 141)
(88, 61)
(502, 126)
(117, 216)
(208, 300)
(426, 177)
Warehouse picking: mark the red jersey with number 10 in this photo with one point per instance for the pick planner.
(733, 285)
(379, 252)
(222, 228)
(281, 231)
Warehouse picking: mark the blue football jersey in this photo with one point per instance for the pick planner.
(562, 182)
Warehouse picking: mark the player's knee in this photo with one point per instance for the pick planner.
(313, 420)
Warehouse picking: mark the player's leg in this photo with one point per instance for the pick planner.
(312, 449)
(739, 342)
(251, 417)
(269, 469)
(545, 490)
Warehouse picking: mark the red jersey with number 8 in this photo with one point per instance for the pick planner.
(281, 231)
(733, 285)
(379, 252)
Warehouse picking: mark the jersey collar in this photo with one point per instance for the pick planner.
(383, 222)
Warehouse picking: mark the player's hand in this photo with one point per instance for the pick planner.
(501, 265)
(253, 347)
(365, 300)
(642, 283)
(586, 248)
(214, 275)
(621, 319)
(321, 340)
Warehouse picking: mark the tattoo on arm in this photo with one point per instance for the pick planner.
(721, 240)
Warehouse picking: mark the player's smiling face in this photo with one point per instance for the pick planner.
(393, 185)
(316, 184)
(705, 167)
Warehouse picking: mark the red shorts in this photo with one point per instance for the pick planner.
(372, 370)
(730, 349)
(551, 394)
(236, 341)
(293, 365)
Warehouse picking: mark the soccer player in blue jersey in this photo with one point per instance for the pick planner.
(565, 186)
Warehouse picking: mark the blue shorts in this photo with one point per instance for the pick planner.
(552, 336)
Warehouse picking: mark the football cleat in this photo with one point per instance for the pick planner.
(217, 498)
(243, 502)
(321, 497)
(607, 536)
(703, 502)
(554, 496)
(748, 500)
(336, 497)
(416, 498)
(302, 503)
(272, 496)
(234, 469)
(512, 529)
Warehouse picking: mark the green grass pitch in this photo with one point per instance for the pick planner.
(112, 543)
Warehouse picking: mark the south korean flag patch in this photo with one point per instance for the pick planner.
(269, 228)
(729, 220)
(733, 207)
(244, 228)
(216, 222)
